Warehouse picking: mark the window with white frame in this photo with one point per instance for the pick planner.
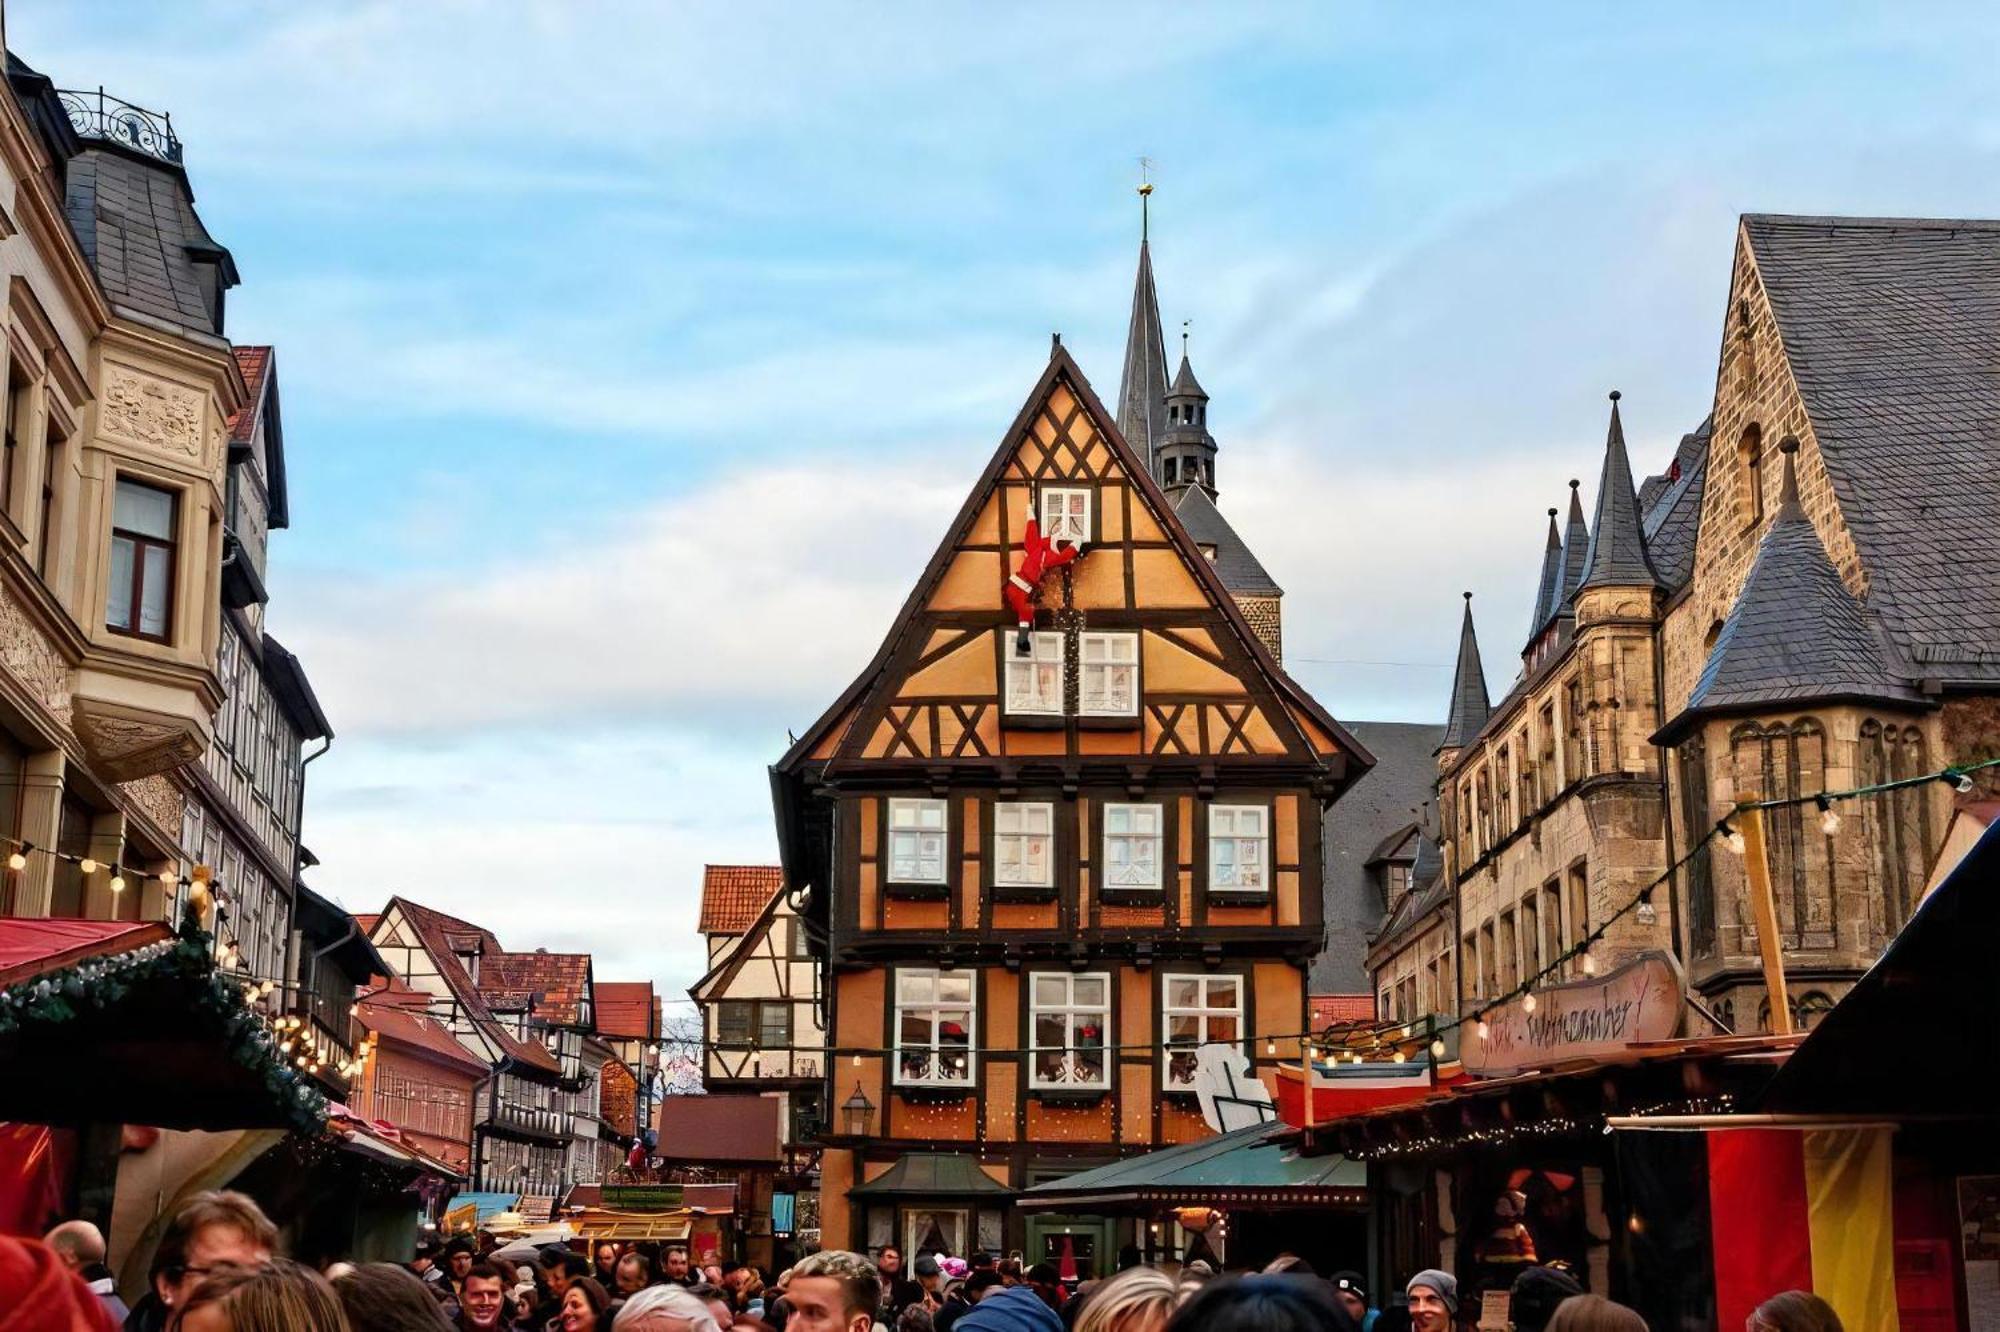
(1198, 1010)
(1239, 848)
(1068, 1017)
(1065, 513)
(916, 841)
(1034, 681)
(934, 1026)
(1109, 682)
(1132, 846)
(1024, 844)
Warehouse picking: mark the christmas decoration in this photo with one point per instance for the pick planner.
(1039, 556)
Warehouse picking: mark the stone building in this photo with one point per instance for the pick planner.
(1802, 601)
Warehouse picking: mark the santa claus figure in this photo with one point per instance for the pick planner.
(1039, 555)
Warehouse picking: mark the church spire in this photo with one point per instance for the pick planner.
(1186, 450)
(1576, 547)
(1470, 705)
(1142, 389)
(1548, 594)
(1617, 539)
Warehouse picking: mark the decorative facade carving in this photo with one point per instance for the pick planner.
(127, 748)
(159, 799)
(27, 654)
(153, 413)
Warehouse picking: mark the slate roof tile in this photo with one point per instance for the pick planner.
(1239, 570)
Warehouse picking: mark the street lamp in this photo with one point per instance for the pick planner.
(857, 1110)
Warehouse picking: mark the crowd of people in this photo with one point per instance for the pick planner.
(217, 1269)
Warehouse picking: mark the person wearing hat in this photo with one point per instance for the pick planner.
(1433, 1300)
(930, 1276)
(1351, 1293)
(1536, 1293)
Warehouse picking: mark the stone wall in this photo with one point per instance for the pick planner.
(1266, 622)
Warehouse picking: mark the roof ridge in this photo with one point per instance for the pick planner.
(1875, 223)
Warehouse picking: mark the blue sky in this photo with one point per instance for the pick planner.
(634, 357)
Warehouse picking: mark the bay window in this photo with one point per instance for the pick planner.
(916, 841)
(1023, 845)
(1198, 1010)
(140, 599)
(1034, 681)
(1239, 848)
(1132, 839)
(935, 1012)
(1068, 1017)
(1109, 684)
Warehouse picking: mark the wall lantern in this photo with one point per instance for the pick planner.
(856, 1111)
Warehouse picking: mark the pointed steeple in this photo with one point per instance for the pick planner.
(1796, 634)
(1548, 594)
(1576, 547)
(1617, 537)
(1186, 449)
(1142, 389)
(1469, 702)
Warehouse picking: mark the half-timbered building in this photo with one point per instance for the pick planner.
(1046, 861)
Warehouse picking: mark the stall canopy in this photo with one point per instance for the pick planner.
(1256, 1166)
(118, 1022)
(931, 1175)
(597, 1223)
(1903, 1040)
(485, 1206)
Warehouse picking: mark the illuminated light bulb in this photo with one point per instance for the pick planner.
(1829, 820)
(1397, 1057)
(1402, 1032)
(1483, 1030)
(300, 1061)
(354, 1010)
(1589, 965)
(117, 883)
(17, 861)
(1731, 838)
(87, 865)
(1528, 1002)
(285, 1047)
(1437, 1049)
(1963, 783)
(856, 1061)
(1270, 1047)
(266, 987)
(1647, 913)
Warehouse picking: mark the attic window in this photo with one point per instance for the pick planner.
(1065, 513)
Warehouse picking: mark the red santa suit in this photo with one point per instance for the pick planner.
(1038, 556)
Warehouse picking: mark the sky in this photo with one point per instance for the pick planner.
(634, 357)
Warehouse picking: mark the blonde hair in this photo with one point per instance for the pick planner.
(1139, 1299)
(860, 1284)
(1594, 1313)
(277, 1296)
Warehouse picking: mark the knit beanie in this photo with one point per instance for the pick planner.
(1444, 1283)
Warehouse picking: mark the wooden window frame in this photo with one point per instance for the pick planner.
(141, 543)
(1084, 666)
(1228, 891)
(1089, 494)
(1009, 659)
(890, 877)
(1047, 882)
(1112, 891)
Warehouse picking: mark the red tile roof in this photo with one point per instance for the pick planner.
(255, 363)
(1328, 1009)
(400, 1021)
(556, 983)
(732, 895)
(439, 932)
(720, 1129)
(367, 921)
(628, 1010)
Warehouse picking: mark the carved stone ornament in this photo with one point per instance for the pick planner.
(159, 799)
(153, 413)
(28, 655)
(127, 748)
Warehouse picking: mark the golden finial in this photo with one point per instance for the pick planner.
(1145, 194)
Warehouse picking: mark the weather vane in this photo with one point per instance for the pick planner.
(1145, 193)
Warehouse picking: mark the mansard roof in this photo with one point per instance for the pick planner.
(1240, 571)
(1796, 634)
(1891, 327)
(1470, 704)
(1617, 555)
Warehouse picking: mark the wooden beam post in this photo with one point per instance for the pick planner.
(1764, 910)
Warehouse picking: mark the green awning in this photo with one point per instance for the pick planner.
(1258, 1166)
(931, 1175)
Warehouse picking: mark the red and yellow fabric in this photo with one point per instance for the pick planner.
(1803, 1209)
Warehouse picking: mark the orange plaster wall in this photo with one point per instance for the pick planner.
(1069, 1123)
(836, 1177)
(867, 898)
(1003, 1083)
(1161, 580)
(986, 527)
(1287, 810)
(1168, 667)
(1230, 915)
(970, 582)
(951, 1121)
(1129, 916)
(1099, 580)
(1108, 742)
(967, 669)
(1182, 1123)
(1111, 514)
(899, 914)
(1257, 729)
(1135, 1093)
(1003, 1073)
(1145, 528)
(1036, 743)
(1024, 915)
(1288, 897)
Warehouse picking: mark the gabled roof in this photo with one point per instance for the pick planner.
(1142, 388)
(1673, 515)
(259, 367)
(414, 1027)
(1891, 327)
(1470, 704)
(556, 983)
(1795, 633)
(255, 364)
(1617, 555)
(628, 1010)
(1239, 570)
(733, 895)
(441, 936)
(932, 1174)
(1062, 368)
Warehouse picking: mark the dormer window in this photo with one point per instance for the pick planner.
(1065, 513)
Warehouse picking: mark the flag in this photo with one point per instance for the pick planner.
(1803, 1209)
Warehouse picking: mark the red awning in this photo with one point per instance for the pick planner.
(30, 948)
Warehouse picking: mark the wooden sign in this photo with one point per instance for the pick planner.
(1585, 1019)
